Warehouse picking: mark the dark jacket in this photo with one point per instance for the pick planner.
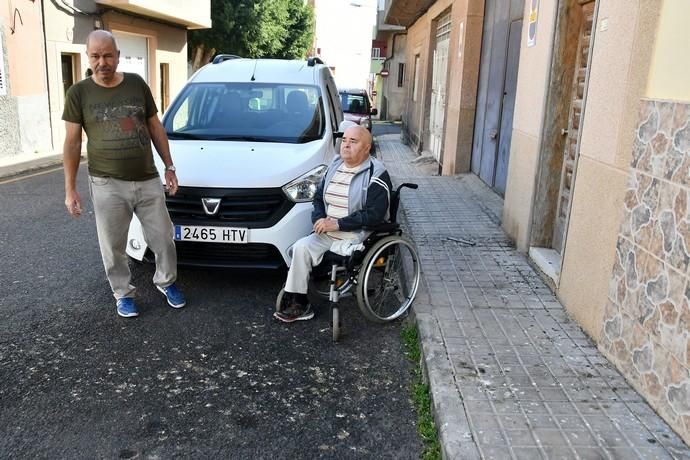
(368, 201)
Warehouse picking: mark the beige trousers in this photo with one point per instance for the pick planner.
(114, 203)
(306, 253)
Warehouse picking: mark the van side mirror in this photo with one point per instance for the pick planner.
(374, 111)
(338, 134)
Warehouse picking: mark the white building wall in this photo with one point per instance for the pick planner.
(343, 34)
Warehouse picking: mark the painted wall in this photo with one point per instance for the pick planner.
(395, 95)
(532, 86)
(9, 125)
(670, 63)
(416, 116)
(24, 121)
(646, 321)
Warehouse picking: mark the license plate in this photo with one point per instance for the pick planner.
(211, 234)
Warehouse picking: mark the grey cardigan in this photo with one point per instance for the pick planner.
(368, 199)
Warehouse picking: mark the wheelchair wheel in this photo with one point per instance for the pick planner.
(388, 279)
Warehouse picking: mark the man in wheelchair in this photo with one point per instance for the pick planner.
(353, 195)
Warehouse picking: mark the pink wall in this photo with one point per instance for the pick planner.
(25, 54)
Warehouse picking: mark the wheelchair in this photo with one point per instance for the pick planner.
(384, 275)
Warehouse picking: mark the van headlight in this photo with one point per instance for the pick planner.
(304, 187)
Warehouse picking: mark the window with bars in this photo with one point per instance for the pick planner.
(443, 27)
(376, 53)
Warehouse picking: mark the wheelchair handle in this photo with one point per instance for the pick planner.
(407, 185)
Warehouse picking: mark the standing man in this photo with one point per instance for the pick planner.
(354, 194)
(119, 116)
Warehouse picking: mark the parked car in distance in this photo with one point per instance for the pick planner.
(357, 106)
(250, 140)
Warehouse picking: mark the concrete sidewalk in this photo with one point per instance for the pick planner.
(511, 375)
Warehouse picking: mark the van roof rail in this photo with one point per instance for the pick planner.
(224, 57)
(314, 60)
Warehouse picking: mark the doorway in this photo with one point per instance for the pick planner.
(68, 71)
(571, 149)
(438, 85)
(560, 141)
(498, 70)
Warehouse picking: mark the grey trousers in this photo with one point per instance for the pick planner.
(306, 253)
(114, 203)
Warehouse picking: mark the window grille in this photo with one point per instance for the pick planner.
(443, 28)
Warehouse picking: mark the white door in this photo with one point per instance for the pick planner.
(133, 54)
(438, 86)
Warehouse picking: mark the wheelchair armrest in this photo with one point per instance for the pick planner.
(386, 227)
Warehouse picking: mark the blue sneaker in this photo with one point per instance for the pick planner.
(126, 307)
(173, 295)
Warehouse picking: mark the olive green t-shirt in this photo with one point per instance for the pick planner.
(114, 120)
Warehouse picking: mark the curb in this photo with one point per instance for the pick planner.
(454, 433)
(25, 167)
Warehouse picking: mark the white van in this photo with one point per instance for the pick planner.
(250, 140)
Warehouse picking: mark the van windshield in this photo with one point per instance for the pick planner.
(355, 103)
(264, 112)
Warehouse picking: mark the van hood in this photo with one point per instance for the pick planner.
(235, 164)
(354, 117)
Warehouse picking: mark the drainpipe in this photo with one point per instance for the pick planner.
(45, 61)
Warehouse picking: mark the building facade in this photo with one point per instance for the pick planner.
(578, 113)
(151, 35)
(389, 69)
(597, 187)
(24, 111)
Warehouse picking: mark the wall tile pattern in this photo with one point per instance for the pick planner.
(646, 329)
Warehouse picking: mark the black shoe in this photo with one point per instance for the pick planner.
(294, 312)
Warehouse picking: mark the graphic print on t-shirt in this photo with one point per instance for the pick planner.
(122, 125)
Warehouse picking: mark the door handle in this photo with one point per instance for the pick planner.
(493, 134)
(564, 132)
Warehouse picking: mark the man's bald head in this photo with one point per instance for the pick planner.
(364, 133)
(355, 146)
(104, 57)
(100, 35)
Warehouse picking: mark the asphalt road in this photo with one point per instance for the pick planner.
(217, 379)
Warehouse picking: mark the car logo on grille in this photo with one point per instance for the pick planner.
(211, 205)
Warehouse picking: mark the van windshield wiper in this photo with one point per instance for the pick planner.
(183, 136)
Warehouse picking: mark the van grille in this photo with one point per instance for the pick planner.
(254, 255)
(252, 208)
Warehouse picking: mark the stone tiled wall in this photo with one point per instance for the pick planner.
(646, 330)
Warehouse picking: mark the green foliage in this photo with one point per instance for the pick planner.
(420, 396)
(257, 29)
